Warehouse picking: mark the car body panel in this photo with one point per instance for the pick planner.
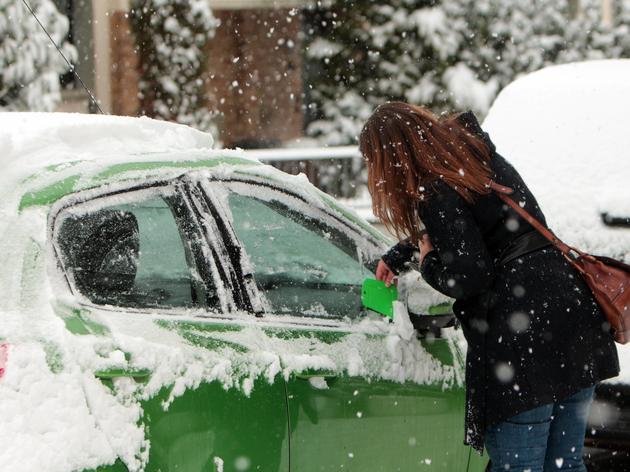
(208, 426)
(117, 466)
(117, 172)
(419, 424)
(407, 426)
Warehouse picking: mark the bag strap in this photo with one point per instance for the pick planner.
(502, 192)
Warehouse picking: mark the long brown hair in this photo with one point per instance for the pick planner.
(407, 149)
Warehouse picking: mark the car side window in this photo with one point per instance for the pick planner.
(127, 254)
(303, 266)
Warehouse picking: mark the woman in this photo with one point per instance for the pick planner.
(537, 341)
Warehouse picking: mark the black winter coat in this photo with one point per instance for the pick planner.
(535, 334)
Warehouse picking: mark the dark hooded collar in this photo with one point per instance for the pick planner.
(469, 121)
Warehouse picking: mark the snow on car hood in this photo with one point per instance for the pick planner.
(565, 129)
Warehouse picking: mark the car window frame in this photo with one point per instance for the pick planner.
(225, 250)
(206, 182)
(196, 253)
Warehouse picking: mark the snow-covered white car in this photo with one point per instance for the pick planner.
(169, 307)
(565, 128)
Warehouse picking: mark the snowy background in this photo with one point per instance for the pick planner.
(299, 77)
(450, 55)
(303, 75)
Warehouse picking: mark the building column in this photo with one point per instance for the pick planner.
(607, 12)
(101, 19)
(575, 9)
(255, 76)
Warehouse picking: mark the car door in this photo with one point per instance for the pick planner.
(358, 399)
(150, 281)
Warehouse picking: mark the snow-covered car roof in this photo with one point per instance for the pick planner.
(28, 131)
(47, 155)
(565, 129)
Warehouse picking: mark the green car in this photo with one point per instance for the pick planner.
(168, 307)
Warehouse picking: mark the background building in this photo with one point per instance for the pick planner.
(254, 76)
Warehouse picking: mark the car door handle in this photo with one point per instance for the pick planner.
(307, 375)
(108, 374)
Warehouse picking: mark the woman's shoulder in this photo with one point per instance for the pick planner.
(471, 124)
(505, 173)
(439, 195)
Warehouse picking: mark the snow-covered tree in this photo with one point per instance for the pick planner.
(448, 55)
(613, 39)
(363, 51)
(30, 65)
(498, 41)
(171, 38)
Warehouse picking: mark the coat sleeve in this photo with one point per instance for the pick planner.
(460, 266)
(399, 257)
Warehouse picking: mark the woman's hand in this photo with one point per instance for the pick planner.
(384, 273)
(425, 246)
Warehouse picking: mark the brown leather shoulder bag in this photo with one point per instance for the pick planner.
(608, 279)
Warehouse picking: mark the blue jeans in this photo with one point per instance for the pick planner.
(548, 438)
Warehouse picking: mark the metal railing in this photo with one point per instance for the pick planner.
(338, 171)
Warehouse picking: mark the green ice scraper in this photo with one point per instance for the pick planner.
(379, 298)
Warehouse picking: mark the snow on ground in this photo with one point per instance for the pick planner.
(565, 129)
